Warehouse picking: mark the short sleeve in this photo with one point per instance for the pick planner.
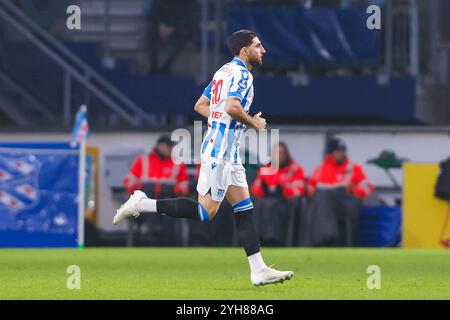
(240, 84)
(207, 91)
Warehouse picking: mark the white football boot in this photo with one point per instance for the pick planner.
(130, 207)
(269, 275)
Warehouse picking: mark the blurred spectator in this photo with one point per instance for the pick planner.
(279, 199)
(159, 177)
(337, 187)
(170, 25)
(287, 181)
(338, 172)
(156, 174)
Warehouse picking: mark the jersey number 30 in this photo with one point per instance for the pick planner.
(216, 91)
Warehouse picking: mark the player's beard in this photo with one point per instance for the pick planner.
(255, 61)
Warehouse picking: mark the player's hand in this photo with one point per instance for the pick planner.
(259, 122)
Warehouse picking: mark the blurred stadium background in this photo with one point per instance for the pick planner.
(384, 92)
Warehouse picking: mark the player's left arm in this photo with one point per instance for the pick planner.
(202, 106)
(234, 109)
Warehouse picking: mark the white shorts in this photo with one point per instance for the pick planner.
(217, 177)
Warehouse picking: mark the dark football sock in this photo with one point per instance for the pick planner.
(182, 208)
(246, 231)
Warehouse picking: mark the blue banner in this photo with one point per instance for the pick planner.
(316, 35)
(38, 195)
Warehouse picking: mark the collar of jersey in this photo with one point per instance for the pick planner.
(239, 62)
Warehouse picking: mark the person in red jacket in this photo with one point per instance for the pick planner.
(287, 181)
(337, 171)
(279, 188)
(336, 189)
(157, 173)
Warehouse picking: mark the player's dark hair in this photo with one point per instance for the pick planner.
(239, 40)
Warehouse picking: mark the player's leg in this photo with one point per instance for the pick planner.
(209, 204)
(181, 207)
(239, 197)
(202, 210)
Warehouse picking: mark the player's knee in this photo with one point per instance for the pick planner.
(210, 207)
(207, 212)
(212, 213)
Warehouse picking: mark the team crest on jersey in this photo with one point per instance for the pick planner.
(220, 192)
(242, 84)
(18, 183)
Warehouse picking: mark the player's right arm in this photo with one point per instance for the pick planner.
(234, 108)
(202, 106)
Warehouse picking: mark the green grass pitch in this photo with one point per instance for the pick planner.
(222, 273)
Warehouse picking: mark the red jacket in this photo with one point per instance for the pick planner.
(291, 179)
(151, 168)
(330, 175)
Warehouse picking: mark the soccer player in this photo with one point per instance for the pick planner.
(225, 102)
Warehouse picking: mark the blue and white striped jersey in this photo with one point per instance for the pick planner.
(224, 133)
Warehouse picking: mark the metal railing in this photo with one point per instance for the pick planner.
(74, 69)
(32, 102)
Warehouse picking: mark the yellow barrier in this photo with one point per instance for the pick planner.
(425, 217)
